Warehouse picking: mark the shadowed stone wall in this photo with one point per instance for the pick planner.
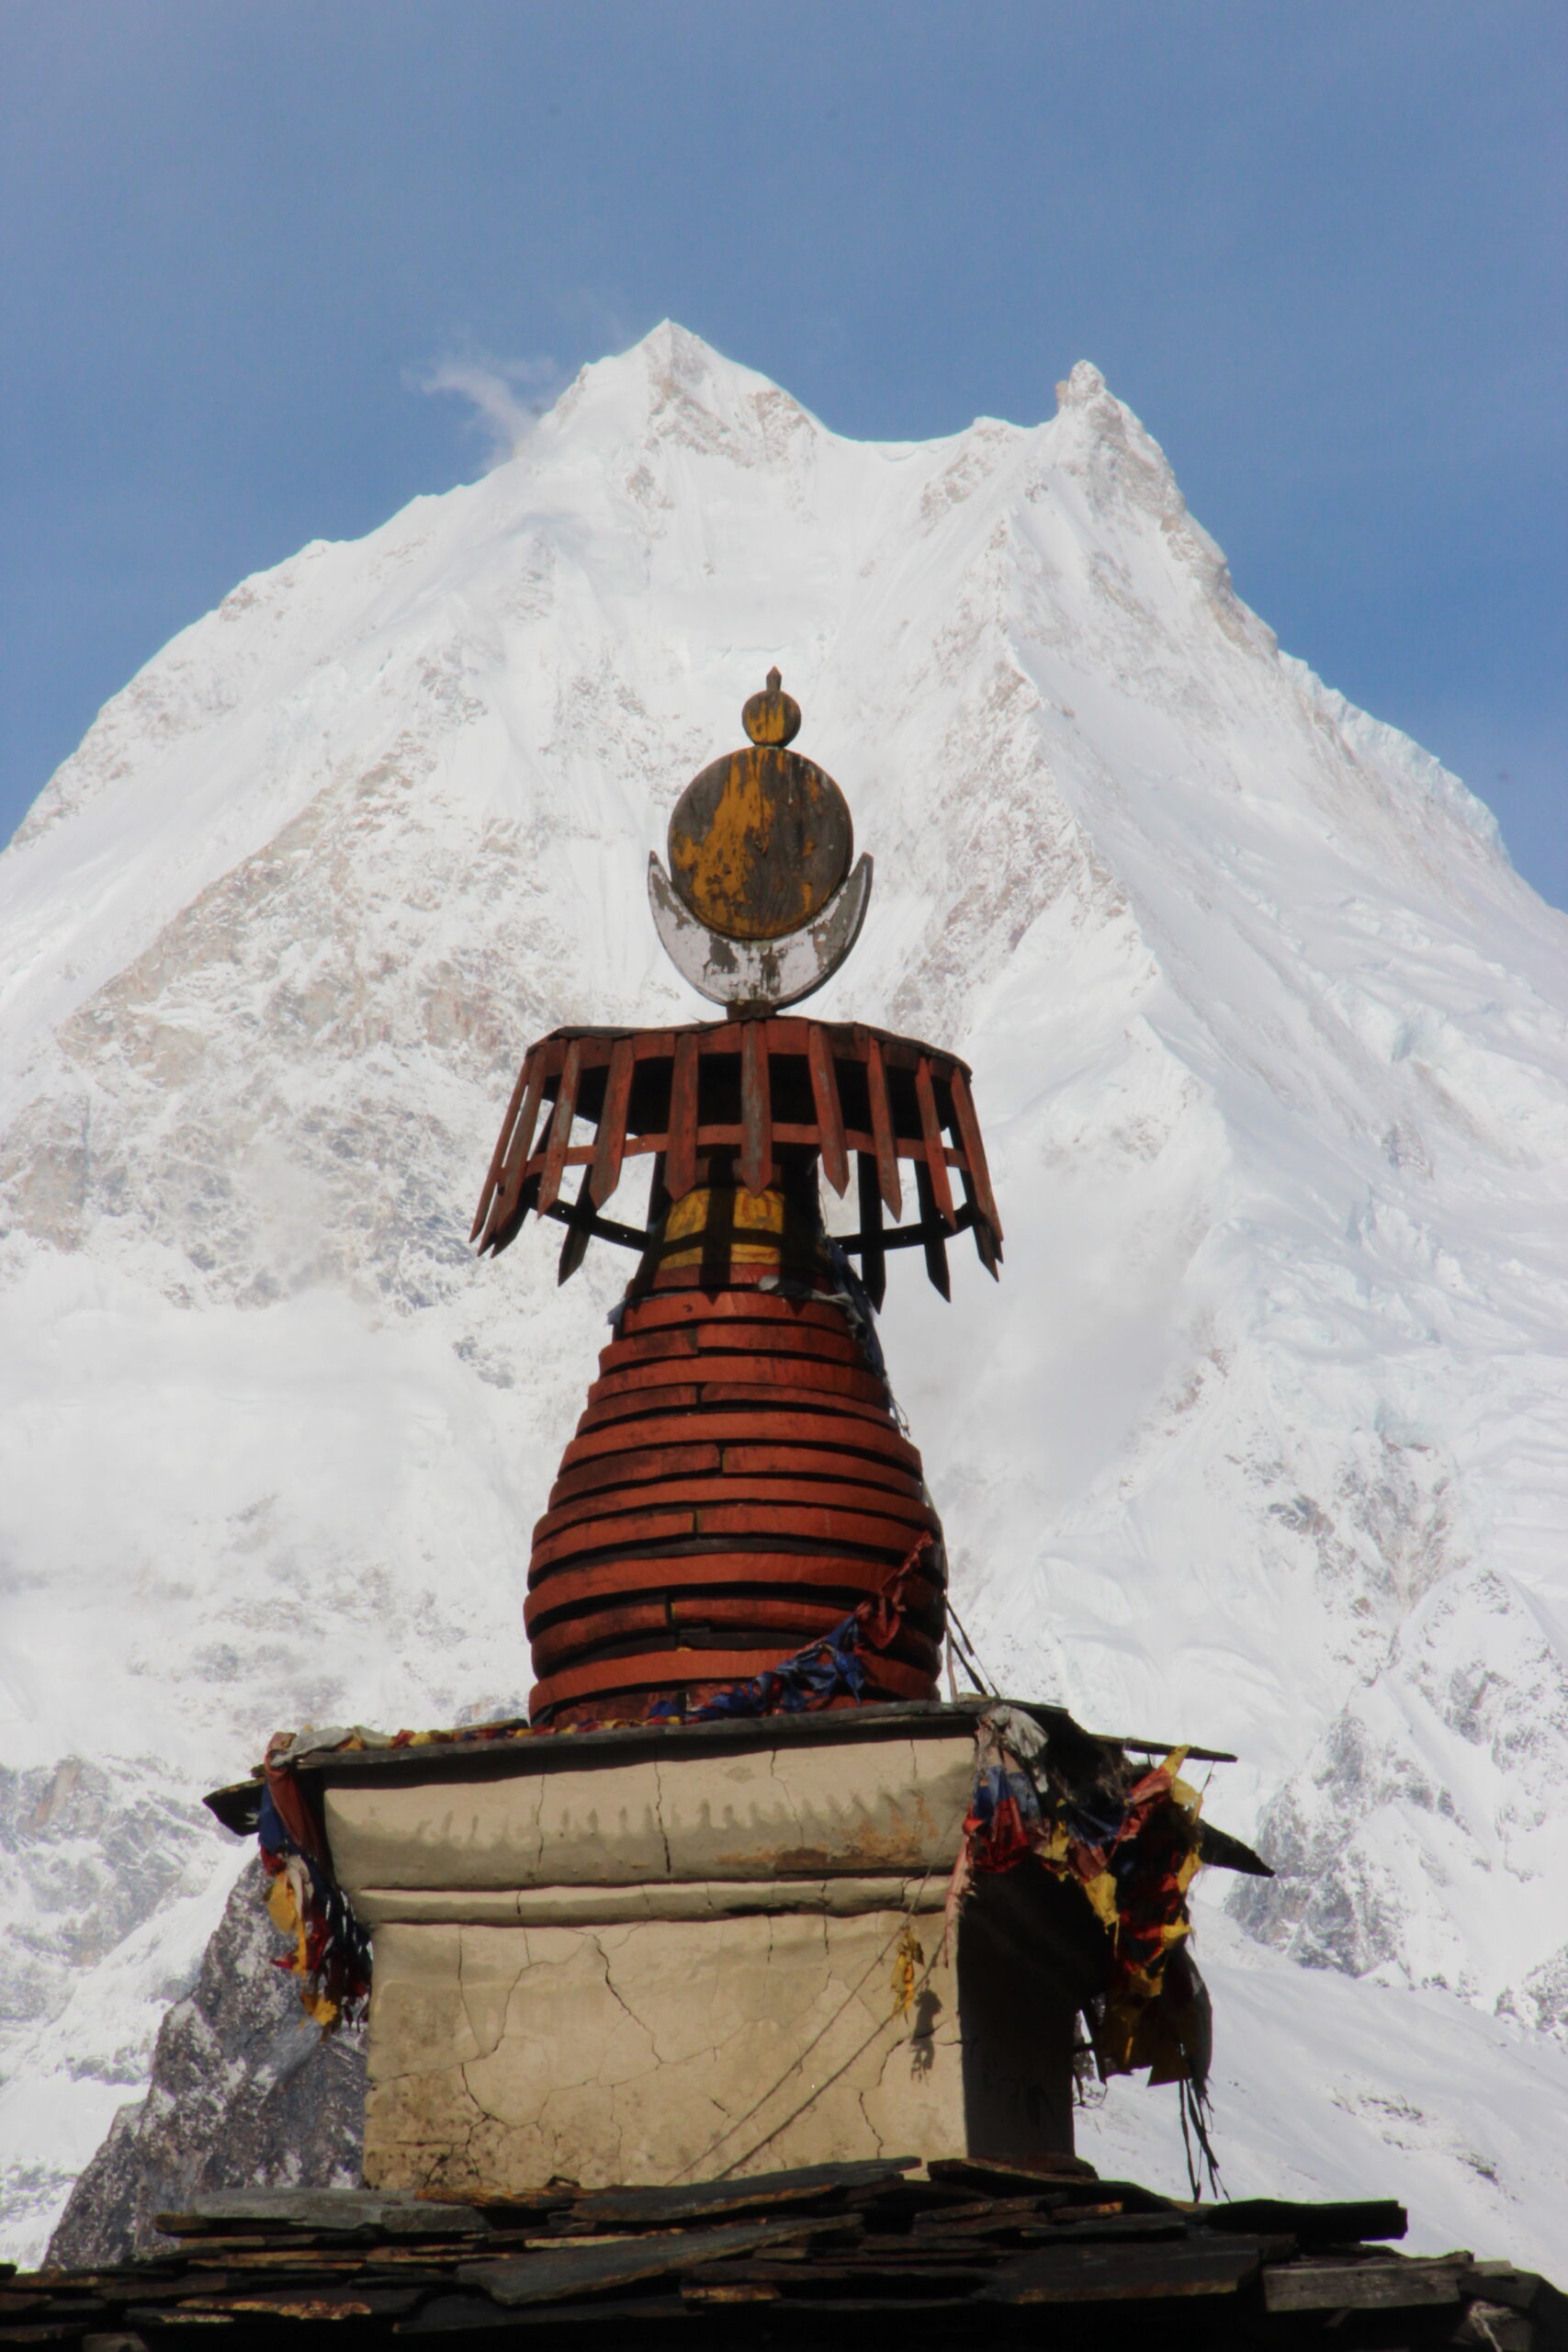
(611, 1964)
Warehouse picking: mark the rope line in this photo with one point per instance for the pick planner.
(795, 2064)
(854, 2056)
(968, 1657)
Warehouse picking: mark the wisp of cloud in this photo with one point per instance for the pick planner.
(507, 395)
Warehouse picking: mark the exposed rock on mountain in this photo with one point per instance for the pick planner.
(246, 2092)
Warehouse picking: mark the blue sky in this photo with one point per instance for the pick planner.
(1317, 247)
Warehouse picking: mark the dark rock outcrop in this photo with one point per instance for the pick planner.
(246, 2092)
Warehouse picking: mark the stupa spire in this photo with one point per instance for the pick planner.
(739, 1479)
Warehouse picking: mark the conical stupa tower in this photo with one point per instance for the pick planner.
(739, 1492)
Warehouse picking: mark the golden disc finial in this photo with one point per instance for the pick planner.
(761, 839)
(772, 717)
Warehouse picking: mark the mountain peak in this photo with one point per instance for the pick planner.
(1084, 385)
(672, 386)
(1099, 437)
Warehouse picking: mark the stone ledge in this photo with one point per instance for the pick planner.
(743, 1812)
(592, 1906)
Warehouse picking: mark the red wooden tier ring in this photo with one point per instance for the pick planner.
(740, 1302)
(648, 1465)
(671, 1494)
(724, 1428)
(799, 1572)
(711, 1370)
(724, 1525)
(673, 1342)
(688, 1675)
(777, 1622)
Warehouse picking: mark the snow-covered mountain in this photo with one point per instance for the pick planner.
(1262, 1441)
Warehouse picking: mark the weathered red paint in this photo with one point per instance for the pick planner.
(753, 1510)
(764, 1088)
(674, 1670)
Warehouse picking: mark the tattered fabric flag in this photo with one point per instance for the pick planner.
(1129, 1844)
(331, 1952)
(908, 1962)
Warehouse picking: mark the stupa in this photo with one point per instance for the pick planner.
(746, 1891)
(740, 1481)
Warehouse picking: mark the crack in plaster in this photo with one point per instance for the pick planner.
(535, 1825)
(553, 2134)
(481, 2048)
(641, 2024)
(658, 1818)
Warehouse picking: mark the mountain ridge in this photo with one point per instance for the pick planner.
(1263, 1440)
